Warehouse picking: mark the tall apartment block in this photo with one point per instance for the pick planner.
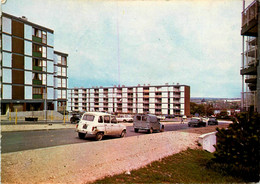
(250, 57)
(33, 75)
(159, 100)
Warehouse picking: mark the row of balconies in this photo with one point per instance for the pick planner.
(76, 92)
(250, 19)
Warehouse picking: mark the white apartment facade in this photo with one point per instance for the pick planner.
(153, 99)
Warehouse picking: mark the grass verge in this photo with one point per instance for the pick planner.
(185, 167)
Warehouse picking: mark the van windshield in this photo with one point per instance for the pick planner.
(87, 117)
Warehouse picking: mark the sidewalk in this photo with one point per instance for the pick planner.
(39, 125)
(86, 162)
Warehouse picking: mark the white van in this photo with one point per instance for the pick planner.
(147, 122)
(99, 124)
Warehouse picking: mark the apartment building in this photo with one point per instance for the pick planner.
(60, 81)
(250, 57)
(30, 69)
(159, 99)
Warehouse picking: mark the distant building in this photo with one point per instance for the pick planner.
(159, 99)
(250, 57)
(31, 71)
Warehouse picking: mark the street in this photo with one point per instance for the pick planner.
(26, 140)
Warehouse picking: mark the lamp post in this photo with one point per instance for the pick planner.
(45, 104)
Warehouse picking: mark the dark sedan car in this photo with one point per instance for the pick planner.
(75, 118)
(196, 122)
(212, 121)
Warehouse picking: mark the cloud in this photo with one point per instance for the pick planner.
(197, 43)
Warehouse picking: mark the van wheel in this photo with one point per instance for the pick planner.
(150, 130)
(99, 136)
(81, 135)
(136, 130)
(123, 133)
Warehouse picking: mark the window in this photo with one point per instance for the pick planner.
(44, 52)
(100, 119)
(64, 94)
(37, 76)
(138, 118)
(64, 83)
(44, 37)
(37, 48)
(37, 32)
(37, 62)
(63, 60)
(59, 59)
(106, 119)
(44, 66)
(43, 79)
(144, 118)
(59, 71)
(88, 117)
(63, 71)
(113, 119)
(37, 91)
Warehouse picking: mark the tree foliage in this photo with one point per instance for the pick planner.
(237, 147)
(201, 109)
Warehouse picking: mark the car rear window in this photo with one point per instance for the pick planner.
(138, 118)
(88, 117)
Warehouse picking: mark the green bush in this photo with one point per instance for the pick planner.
(237, 148)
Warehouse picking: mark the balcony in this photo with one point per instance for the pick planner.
(250, 99)
(37, 96)
(37, 54)
(250, 20)
(251, 70)
(37, 82)
(38, 68)
(37, 39)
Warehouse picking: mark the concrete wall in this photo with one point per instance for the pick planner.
(207, 141)
(51, 115)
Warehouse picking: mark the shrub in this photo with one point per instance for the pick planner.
(237, 148)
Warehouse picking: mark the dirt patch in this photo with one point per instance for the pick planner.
(86, 162)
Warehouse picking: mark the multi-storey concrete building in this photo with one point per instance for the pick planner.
(28, 65)
(159, 99)
(60, 81)
(250, 57)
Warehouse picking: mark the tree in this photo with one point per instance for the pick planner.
(197, 108)
(237, 148)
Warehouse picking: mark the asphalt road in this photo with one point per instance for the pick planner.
(26, 140)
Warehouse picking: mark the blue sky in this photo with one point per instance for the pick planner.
(196, 43)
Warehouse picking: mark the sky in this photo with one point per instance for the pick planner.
(190, 42)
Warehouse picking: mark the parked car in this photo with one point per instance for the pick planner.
(124, 118)
(147, 122)
(161, 117)
(212, 121)
(99, 124)
(169, 116)
(196, 122)
(75, 118)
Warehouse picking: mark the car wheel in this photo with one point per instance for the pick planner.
(136, 130)
(123, 133)
(99, 136)
(81, 135)
(150, 130)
